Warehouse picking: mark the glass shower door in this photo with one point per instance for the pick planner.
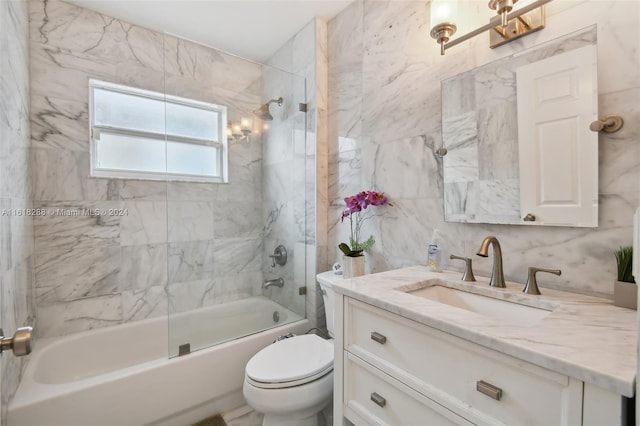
(220, 232)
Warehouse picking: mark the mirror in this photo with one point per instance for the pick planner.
(519, 148)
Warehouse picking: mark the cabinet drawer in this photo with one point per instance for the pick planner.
(376, 398)
(447, 369)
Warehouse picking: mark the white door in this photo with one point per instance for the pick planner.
(557, 100)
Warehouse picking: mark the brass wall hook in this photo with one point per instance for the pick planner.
(610, 124)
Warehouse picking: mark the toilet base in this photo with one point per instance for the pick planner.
(294, 406)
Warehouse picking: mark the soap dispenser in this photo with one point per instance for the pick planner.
(434, 253)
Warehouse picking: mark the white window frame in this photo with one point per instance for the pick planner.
(94, 130)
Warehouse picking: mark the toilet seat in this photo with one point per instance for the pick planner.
(288, 384)
(290, 362)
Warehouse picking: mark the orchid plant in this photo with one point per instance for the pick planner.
(355, 212)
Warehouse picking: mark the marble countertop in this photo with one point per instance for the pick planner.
(583, 337)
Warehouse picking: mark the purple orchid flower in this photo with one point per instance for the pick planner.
(355, 205)
(377, 198)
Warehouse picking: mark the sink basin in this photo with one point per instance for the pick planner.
(509, 312)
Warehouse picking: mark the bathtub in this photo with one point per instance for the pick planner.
(122, 375)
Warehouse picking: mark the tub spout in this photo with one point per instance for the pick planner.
(278, 282)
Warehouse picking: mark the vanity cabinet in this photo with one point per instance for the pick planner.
(395, 371)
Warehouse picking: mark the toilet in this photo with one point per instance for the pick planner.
(291, 381)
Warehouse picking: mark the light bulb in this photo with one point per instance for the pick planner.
(443, 11)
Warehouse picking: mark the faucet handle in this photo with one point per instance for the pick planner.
(468, 269)
(279, 256)
(531, 287)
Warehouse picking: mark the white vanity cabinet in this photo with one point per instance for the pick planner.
(395, 371)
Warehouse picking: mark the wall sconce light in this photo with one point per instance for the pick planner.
(239, 132)
(510, 25)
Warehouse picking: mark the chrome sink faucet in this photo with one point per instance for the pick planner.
(497, 273)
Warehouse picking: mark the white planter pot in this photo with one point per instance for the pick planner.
(352, 266)
(625, 295)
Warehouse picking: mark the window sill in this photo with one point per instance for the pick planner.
(167, 178)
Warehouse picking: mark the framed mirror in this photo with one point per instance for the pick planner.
(519, 148)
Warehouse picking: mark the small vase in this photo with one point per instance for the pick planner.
(625, 295)
(352, 266)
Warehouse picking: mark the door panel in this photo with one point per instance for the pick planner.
(557, 100)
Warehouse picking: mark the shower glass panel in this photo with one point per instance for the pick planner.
(220, 234)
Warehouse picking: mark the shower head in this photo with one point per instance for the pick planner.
(263, 112)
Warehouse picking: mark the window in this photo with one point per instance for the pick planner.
(139, 134)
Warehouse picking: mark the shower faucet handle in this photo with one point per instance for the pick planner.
(279, 256)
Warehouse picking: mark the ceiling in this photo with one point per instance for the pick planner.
(252, 29)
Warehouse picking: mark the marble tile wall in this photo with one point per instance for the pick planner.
(385, 123)
(180, 245)
(16, 228)
(318, 185)
(292, 168)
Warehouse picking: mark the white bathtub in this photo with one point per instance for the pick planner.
(121, 375)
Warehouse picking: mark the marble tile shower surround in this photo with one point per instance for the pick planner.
(385, 123)
(195, 243)
(480, 132)
(16, 232)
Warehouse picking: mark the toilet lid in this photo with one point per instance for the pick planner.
(291, 360)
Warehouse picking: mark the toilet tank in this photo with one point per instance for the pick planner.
(329, 302)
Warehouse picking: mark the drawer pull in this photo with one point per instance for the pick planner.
(489, 390)
(378, 337)
(378, 400)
